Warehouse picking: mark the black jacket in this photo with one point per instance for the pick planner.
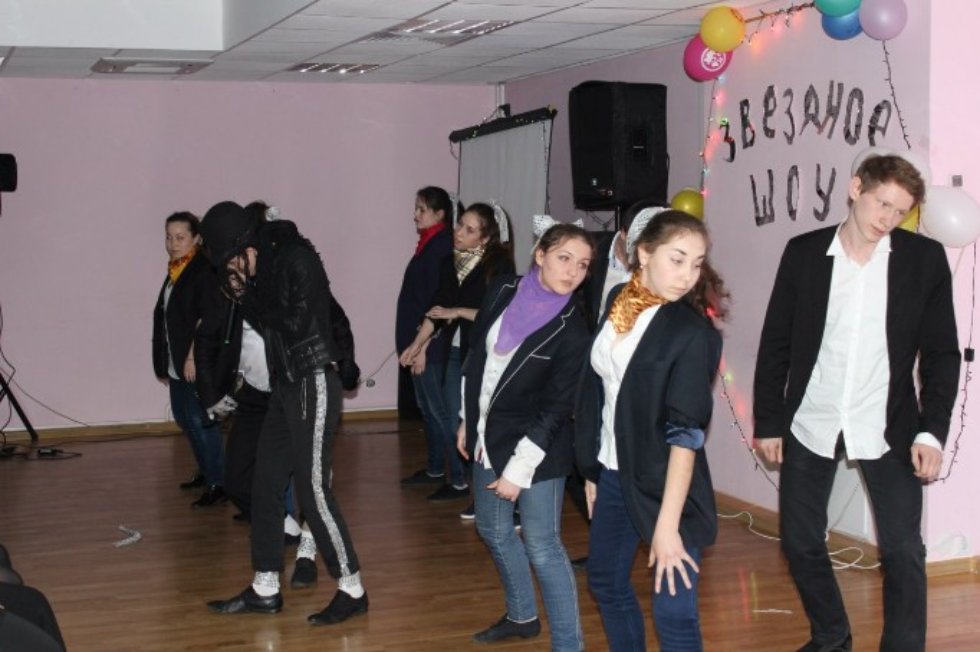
(218, 350)
(596, 280)
(536, 392)
(668, 380)
(289, 302)
(195, 290)
(920, 324)
(418, 287)
(468, 294)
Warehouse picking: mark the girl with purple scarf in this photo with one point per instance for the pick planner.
(529, 343)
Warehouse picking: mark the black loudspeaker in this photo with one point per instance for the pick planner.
(618, 137)
(8, 173)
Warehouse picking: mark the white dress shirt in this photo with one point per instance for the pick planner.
(848, 389)
(252, 362)
(611, 354)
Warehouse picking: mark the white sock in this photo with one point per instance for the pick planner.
(351, 585)
(291, 527)
(307, 546)
(266, 584)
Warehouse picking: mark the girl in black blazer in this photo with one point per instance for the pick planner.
(480, 253)
(529, 343)
(188, 290)
(646, 400)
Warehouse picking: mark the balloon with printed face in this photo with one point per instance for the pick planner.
(722, 29)
(841, 28)
(883, 19)
(690, 201)
(701, 63)
(951, 216)
(836, 8)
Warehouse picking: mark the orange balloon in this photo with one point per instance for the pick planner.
(722, 29)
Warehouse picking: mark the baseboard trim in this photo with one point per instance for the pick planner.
(153, 429)
(766, 521)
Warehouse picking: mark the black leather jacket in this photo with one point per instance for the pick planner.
(289, 300)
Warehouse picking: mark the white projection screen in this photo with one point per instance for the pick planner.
(509, 166)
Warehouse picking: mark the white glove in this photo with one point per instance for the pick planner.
(222, 408)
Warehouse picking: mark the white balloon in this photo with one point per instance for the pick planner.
(951, 216)
(868, 153)
(918, 161)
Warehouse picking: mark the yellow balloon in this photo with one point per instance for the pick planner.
(911, 221)
(690, 201)
(722, 29)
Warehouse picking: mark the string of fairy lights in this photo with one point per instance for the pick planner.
(716, 93)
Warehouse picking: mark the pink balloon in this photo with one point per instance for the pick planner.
(701, 63)
(883, 19)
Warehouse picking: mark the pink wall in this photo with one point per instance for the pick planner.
(952, 513)
(660, 66)
(103, 163)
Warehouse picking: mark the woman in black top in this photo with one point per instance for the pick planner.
(187, 292)
(481, 252)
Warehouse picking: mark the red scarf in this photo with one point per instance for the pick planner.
(427, 235)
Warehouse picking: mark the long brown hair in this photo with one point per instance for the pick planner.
(709, 294)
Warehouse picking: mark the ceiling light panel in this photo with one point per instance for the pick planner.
(400, 9)
(515, 12)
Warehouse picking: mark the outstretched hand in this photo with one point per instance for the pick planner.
(667, 554)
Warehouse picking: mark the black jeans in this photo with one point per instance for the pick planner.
(297, 438)
(806, 480)
(243, 441)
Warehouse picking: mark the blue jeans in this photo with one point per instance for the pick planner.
(613, 541)
(439, 421)
(541, 549)
(204, 435)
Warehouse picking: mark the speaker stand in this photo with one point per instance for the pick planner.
(6, 392)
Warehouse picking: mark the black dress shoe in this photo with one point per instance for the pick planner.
(422, 477)
(213, 495)
(197, 480)
(844, 645)
(342, 607)
(248, 601)
(304, 574)
(507, 628)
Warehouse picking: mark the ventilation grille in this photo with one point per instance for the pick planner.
(117, 66)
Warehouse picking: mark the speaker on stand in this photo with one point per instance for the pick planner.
(618, 138)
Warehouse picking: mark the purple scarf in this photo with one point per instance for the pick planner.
(532, 307)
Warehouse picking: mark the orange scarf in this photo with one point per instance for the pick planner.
(631, 301)
(176, 267)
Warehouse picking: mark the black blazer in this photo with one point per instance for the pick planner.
(194, 291)
(920, 323)
(536, 393)
(468, 294)
(668, 380)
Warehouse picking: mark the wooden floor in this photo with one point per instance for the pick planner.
(430, 580)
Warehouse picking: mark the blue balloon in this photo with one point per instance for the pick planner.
(842, 27)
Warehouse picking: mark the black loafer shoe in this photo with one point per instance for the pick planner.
(248, 601)
(342, 607)
(507, 628)
(197, 480)
(422, 477)
(213, 495)
(448, 492)
(304, 574)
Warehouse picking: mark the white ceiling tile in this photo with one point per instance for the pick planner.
(64, 54)
(401, 9)
(457, 11)
(634, 37)
(354, 26)
(602, 16)
(403, 48)
(165, 54)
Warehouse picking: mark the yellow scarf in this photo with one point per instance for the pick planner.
(631, 301)
(176, 267)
